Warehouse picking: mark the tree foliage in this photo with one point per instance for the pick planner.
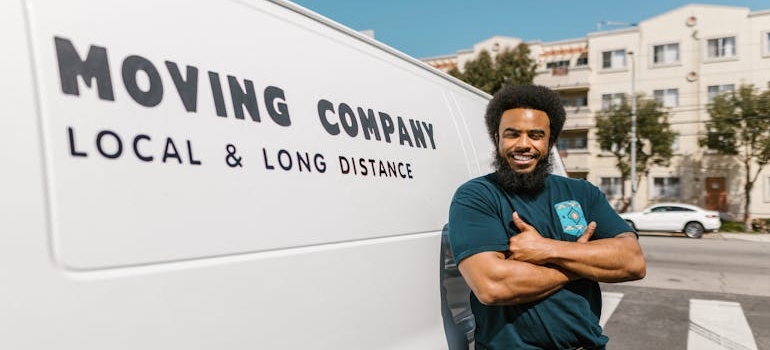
(653, 142)
(509, 67)
(740, 127)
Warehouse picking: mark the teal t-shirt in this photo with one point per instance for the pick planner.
(480, 219)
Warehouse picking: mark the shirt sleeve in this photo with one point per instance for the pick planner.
(474, 222)
(608, 223)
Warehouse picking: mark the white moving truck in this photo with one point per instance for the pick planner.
(221, 175)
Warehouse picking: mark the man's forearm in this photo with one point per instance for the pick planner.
(511, 282)
(534, 282)
(616, 259)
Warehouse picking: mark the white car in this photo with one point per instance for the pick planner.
(674, 217)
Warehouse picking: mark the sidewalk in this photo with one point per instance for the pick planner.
(755, 237)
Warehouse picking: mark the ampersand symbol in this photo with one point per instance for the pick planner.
(231, 159)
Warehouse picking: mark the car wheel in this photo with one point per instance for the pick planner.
(693, 230)
(631, 223)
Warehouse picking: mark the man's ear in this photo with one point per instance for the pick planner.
(497, 138)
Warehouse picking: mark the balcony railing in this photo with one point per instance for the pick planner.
(563, 77)
(560, 71)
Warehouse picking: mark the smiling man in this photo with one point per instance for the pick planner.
(532, 246)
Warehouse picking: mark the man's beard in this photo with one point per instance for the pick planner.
(522, 183)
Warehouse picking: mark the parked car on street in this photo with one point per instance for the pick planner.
(674, 217)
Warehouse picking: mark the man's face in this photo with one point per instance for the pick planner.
(523, 138)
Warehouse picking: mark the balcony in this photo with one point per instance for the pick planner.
(578, 117)
(560, 71)
(559, 78)
(576, 161)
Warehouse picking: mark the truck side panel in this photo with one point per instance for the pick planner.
(221, 174)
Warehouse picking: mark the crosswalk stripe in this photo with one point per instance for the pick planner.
(716, 325)
(610, 302)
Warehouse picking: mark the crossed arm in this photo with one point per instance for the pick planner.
(536, 267)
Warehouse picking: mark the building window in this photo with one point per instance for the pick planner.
(666, 187)
(573, 140)
(665, 54)
(767, 43)
(582, 60)
(716, 90)
(574, 100)
(612, 187)
(767, 189)
(557, 64)
(720, 47)
(666, 97)
(614, 59)
(611, 101)
(558, 67)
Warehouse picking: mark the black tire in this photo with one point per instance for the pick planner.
(631, 223)
(693, 230)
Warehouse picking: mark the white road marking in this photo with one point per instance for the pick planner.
(610, 302)
(717, 325)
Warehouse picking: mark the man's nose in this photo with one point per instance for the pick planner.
(523, 142)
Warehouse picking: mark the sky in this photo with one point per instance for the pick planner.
(427, 28)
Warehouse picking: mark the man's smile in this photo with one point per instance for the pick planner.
(523, 159)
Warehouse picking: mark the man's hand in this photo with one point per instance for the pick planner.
(528, 245)
(531, 247)
(586, 236)
(616, 259)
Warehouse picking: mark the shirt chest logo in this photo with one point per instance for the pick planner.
(571, 216)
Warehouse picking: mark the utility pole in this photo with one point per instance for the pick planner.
(633, 132)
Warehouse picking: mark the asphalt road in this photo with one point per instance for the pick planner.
(712, 264)
(731, 275)
(655, 318)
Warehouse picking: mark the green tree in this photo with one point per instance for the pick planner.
(509, 67)
(480, 72)
(740, 127)
(653, 142)
(515, 67)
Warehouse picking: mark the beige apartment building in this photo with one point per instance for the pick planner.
(683, 58)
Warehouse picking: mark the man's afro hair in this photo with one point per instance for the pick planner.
(526, 96)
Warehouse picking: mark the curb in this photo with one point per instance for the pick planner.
(755, 237)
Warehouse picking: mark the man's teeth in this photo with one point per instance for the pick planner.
(522, 157)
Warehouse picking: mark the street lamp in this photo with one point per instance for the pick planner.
(633, 132)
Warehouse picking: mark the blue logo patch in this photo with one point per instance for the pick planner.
(573, 221)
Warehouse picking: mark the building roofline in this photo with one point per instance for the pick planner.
(759, 13)
(563, 41)
(440, 57)
(694, 5)
(612, 32)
